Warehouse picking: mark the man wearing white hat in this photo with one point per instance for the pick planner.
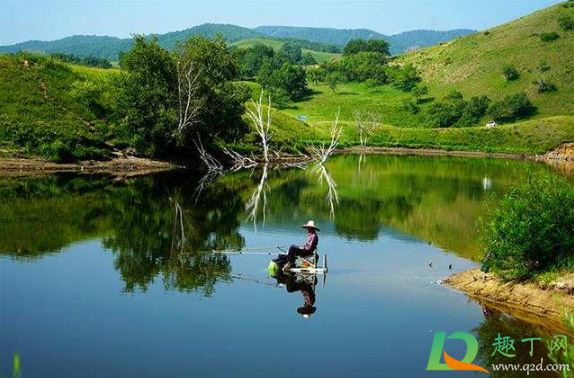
(306, 249)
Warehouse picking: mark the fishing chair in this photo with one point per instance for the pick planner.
(308, 262)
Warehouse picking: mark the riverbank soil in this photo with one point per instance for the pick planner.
(564, 152)
(543, 304)
(119, 165)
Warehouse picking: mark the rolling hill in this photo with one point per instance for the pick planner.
(474, 64)
(320, 56)
(110, 47)
(399, 42)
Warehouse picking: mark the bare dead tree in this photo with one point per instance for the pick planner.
(211, 163)
(322, 153)
(239, 161)
(258, 199)
(187, 87)
(261, 124)
(367, 125)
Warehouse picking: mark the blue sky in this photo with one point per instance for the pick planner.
(49, 20)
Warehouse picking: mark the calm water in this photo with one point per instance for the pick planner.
(102, 277)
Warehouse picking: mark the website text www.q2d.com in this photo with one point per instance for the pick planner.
(502, 345)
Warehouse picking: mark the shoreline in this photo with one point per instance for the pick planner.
(561, 158)
(432, 152)
(529, 301)
(121, 166)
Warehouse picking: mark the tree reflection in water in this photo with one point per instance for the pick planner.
(150, 222)
(258, 199)
(332, 195)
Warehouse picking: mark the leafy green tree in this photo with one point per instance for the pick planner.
(364, 66)
(404, 78)
(317, 75)
(454, 110)
(149, 98)
(291, 51)
(221, 102)
(512, 107)
(473, 111)
(308, 59)
(289, 77)
(419, 92)
(356, 46)
(532, 229)
(147, 95)
(252, 58)
(334, 80)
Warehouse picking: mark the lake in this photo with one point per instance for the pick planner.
(105, 277)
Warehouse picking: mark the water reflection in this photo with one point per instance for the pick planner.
(148, 222)
(332, 195)
(154, 232)
(258, 199)
(497, 324)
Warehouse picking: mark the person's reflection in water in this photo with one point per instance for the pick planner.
(306, 285)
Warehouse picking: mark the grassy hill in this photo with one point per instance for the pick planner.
(43, 110)
(320, 56)
(399, 43)
(473, 65)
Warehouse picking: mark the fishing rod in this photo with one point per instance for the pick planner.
(242, 251)
(253, 280)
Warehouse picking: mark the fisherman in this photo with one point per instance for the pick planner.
(307, 249)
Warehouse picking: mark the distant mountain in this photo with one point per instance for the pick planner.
(110, 47)
(317, 39)
(399, 42)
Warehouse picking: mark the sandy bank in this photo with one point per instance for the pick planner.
(535, 303)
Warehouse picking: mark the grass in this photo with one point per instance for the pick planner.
(473, 64)
(41, 113)
(276, 44)
(322, 103)
(528, 137)
(534, 136)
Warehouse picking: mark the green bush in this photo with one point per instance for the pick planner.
(549, 37)
(532, 230)
(566, 23)
(510, 73)
(512, 107)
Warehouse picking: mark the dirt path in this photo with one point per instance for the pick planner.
(544, 306)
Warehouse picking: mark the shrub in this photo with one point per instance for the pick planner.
(510, 73)
(511, 107)
(549, 37)
(404, 78)
(532, 230)
(543, 66)
(566, 23)
(544, 86)
(410, 106)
